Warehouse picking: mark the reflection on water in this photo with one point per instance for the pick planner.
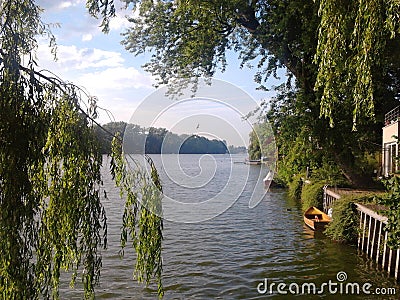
(228, 256)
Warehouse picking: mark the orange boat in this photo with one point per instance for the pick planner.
(316, 219)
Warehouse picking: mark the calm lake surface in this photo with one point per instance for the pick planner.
(212, 255)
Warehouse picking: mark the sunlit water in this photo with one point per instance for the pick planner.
(230, 255)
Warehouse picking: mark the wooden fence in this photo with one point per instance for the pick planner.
(372, 238)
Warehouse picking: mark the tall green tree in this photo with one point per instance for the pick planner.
(51, 215)
(337, 54)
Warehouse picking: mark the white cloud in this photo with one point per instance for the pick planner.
(72, 57)
(118, 78)
(65, 4)
(87, 37)
(120, 108)
(119, 22)
(93, 68)
(56, 5)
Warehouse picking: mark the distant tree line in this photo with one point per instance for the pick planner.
(237, 149)
(152, 140)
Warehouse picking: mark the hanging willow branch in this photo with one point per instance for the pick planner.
(51, 216)
(351, 40)
(142, 217)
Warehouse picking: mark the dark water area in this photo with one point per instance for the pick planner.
(240, 253)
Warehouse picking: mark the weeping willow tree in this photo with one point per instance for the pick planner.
(51, 216)
(355, 39)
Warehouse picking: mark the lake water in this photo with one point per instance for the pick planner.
(216, 247)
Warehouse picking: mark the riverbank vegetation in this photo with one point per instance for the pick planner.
(345, 221)
(262, 144)
(312, 194)
(391, 199)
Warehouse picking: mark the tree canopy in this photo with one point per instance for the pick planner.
(51, 215)
(322, 43)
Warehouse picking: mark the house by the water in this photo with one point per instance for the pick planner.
(390, 143)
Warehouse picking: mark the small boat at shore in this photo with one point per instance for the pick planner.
(316, 219)
(268, 179)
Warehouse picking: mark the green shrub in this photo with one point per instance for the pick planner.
(330, 173)
(312, 194)
(392, 202)
(295, 187)
(279, 181)
(345, 219)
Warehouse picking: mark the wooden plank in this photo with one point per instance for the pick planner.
(373, 240)
(363, 231)
(369, 236)
(396, 270)
(333, 194)
(360, 232)
(379, 241)
(384, 250)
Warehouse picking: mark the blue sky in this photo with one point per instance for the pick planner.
(99, 63)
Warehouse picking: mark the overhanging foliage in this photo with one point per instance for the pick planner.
(51, 216)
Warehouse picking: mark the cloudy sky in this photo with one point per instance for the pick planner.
(99, 63)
